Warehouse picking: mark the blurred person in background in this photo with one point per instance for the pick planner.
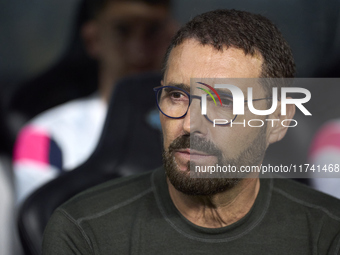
(325, 151)
(125, 38)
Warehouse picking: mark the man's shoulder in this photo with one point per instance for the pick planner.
(303, 196)
(109, 196)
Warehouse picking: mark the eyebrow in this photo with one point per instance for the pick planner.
(224, 93)
(179, 85)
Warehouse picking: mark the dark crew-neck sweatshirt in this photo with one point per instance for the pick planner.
(135, 215)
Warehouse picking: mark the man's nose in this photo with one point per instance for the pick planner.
(194, 121)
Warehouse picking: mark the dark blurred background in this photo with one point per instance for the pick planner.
(36, 33)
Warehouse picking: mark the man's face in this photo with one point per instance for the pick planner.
(129, 37)
(235, 145)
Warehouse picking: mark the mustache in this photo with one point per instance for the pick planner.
(195, 142)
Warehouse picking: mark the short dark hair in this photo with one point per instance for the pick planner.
(96, 6)
(249, 32)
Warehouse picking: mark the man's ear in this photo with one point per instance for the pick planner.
(276, 130)
(90, 35)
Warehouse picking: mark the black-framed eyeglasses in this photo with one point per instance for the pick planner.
(174, 103)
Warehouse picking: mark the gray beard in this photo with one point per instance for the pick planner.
(181, 180)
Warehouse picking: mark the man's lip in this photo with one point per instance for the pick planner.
(183, 156)
(193, 152)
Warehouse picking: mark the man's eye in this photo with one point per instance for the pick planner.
(227, 102)
(177, 95)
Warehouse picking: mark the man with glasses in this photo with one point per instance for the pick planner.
(169, 212)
